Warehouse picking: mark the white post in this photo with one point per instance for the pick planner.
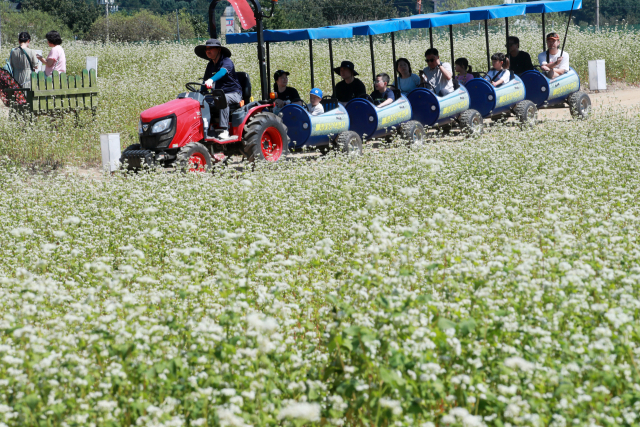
(597, 75)
(110, 147)
(92, 63)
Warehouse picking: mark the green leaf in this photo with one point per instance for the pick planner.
(445, 324)
(467, 326)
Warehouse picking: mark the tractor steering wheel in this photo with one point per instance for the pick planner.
(191, 87)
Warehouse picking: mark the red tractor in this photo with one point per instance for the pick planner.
(182, 132)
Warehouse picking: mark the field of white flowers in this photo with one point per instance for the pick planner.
(487, 282)
(134, 77)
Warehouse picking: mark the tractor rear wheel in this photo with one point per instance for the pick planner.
(580, 105)
(471, 123)
(194, 157)
(526, 112)
(413, 132)
(349, 142)
(265, 138)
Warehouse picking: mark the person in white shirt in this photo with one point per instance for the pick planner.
(437, 75)
(314, 107)
(499, 74)
(553, 62)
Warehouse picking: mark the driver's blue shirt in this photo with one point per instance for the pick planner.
(229, 82)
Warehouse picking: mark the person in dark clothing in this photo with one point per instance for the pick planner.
(349, 87)
(382, 95)
(284, 94)
(220, 74)
(519, 61)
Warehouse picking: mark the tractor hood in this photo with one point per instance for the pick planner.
(176, 106)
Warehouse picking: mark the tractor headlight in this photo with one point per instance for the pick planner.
(161, 126)
(140, 127)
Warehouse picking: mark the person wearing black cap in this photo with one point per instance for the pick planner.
(221, 74)
(349, 87)
(284, 93)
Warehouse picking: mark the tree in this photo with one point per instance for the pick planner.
(78, 15)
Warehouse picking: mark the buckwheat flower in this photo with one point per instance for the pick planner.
(518, 363)
(618, 317)
(199, 422)
(301, 411)
(394, 405)
(150, 210)
(21, 231)
(228, 417)
(72, 220)
(228, 391)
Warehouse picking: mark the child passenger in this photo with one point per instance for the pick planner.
(382, 95)
(499, 74)
(314, 107)
(464, 71)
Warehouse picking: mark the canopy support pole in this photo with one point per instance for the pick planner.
(453, 59)
(431, 37)
(393, 54)
(333, 77)
(506, 28)
(567, 31)
(373, 64)
(544, 35)
(486, 36)
(268, 60)
(313, 83)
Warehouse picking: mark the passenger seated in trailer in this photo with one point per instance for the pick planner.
(382, 95)
(499, 74)
(314, 107)
(221, 73)
(407, 80)
(551, 63)
(437, 75)
(284, 94)
(349, 87)
(519, 61)
(464, 70)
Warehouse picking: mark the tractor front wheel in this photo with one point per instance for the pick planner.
(194, 157)
(265, 138)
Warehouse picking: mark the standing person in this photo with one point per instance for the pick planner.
(284, 94)
(437, 75)
(464, 71)
(382, 95)
(221, 74)
(519, 61)
(349, 87)
(407, 80)
(23, 61)
(552, 64)
(56, 61)
(499, 74)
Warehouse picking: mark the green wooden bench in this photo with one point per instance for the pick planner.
(60, 92)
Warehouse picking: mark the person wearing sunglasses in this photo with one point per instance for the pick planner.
(437, 75)
(519, 60)
(551, 63)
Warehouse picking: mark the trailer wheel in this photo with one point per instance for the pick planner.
(265, 138)
(413, 132)
(580, 105)
(471, 123)
(194, 157)
(526, 112)
(349, 142)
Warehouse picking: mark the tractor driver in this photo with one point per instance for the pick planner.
(551, 63)
(221, 74)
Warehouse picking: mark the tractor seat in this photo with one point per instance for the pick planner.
(245, 84)
(329, 103)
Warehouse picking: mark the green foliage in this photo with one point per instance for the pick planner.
(78, 15)
(142, 26)
(36, 22)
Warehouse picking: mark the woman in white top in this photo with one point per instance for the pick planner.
(499, 74)
(407, 80)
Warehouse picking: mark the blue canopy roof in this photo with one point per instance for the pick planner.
(371, 28)
(432, 20)
(492, 12)
(292, 35)
(552, 6)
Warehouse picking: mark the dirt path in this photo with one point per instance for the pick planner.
(618, 96)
